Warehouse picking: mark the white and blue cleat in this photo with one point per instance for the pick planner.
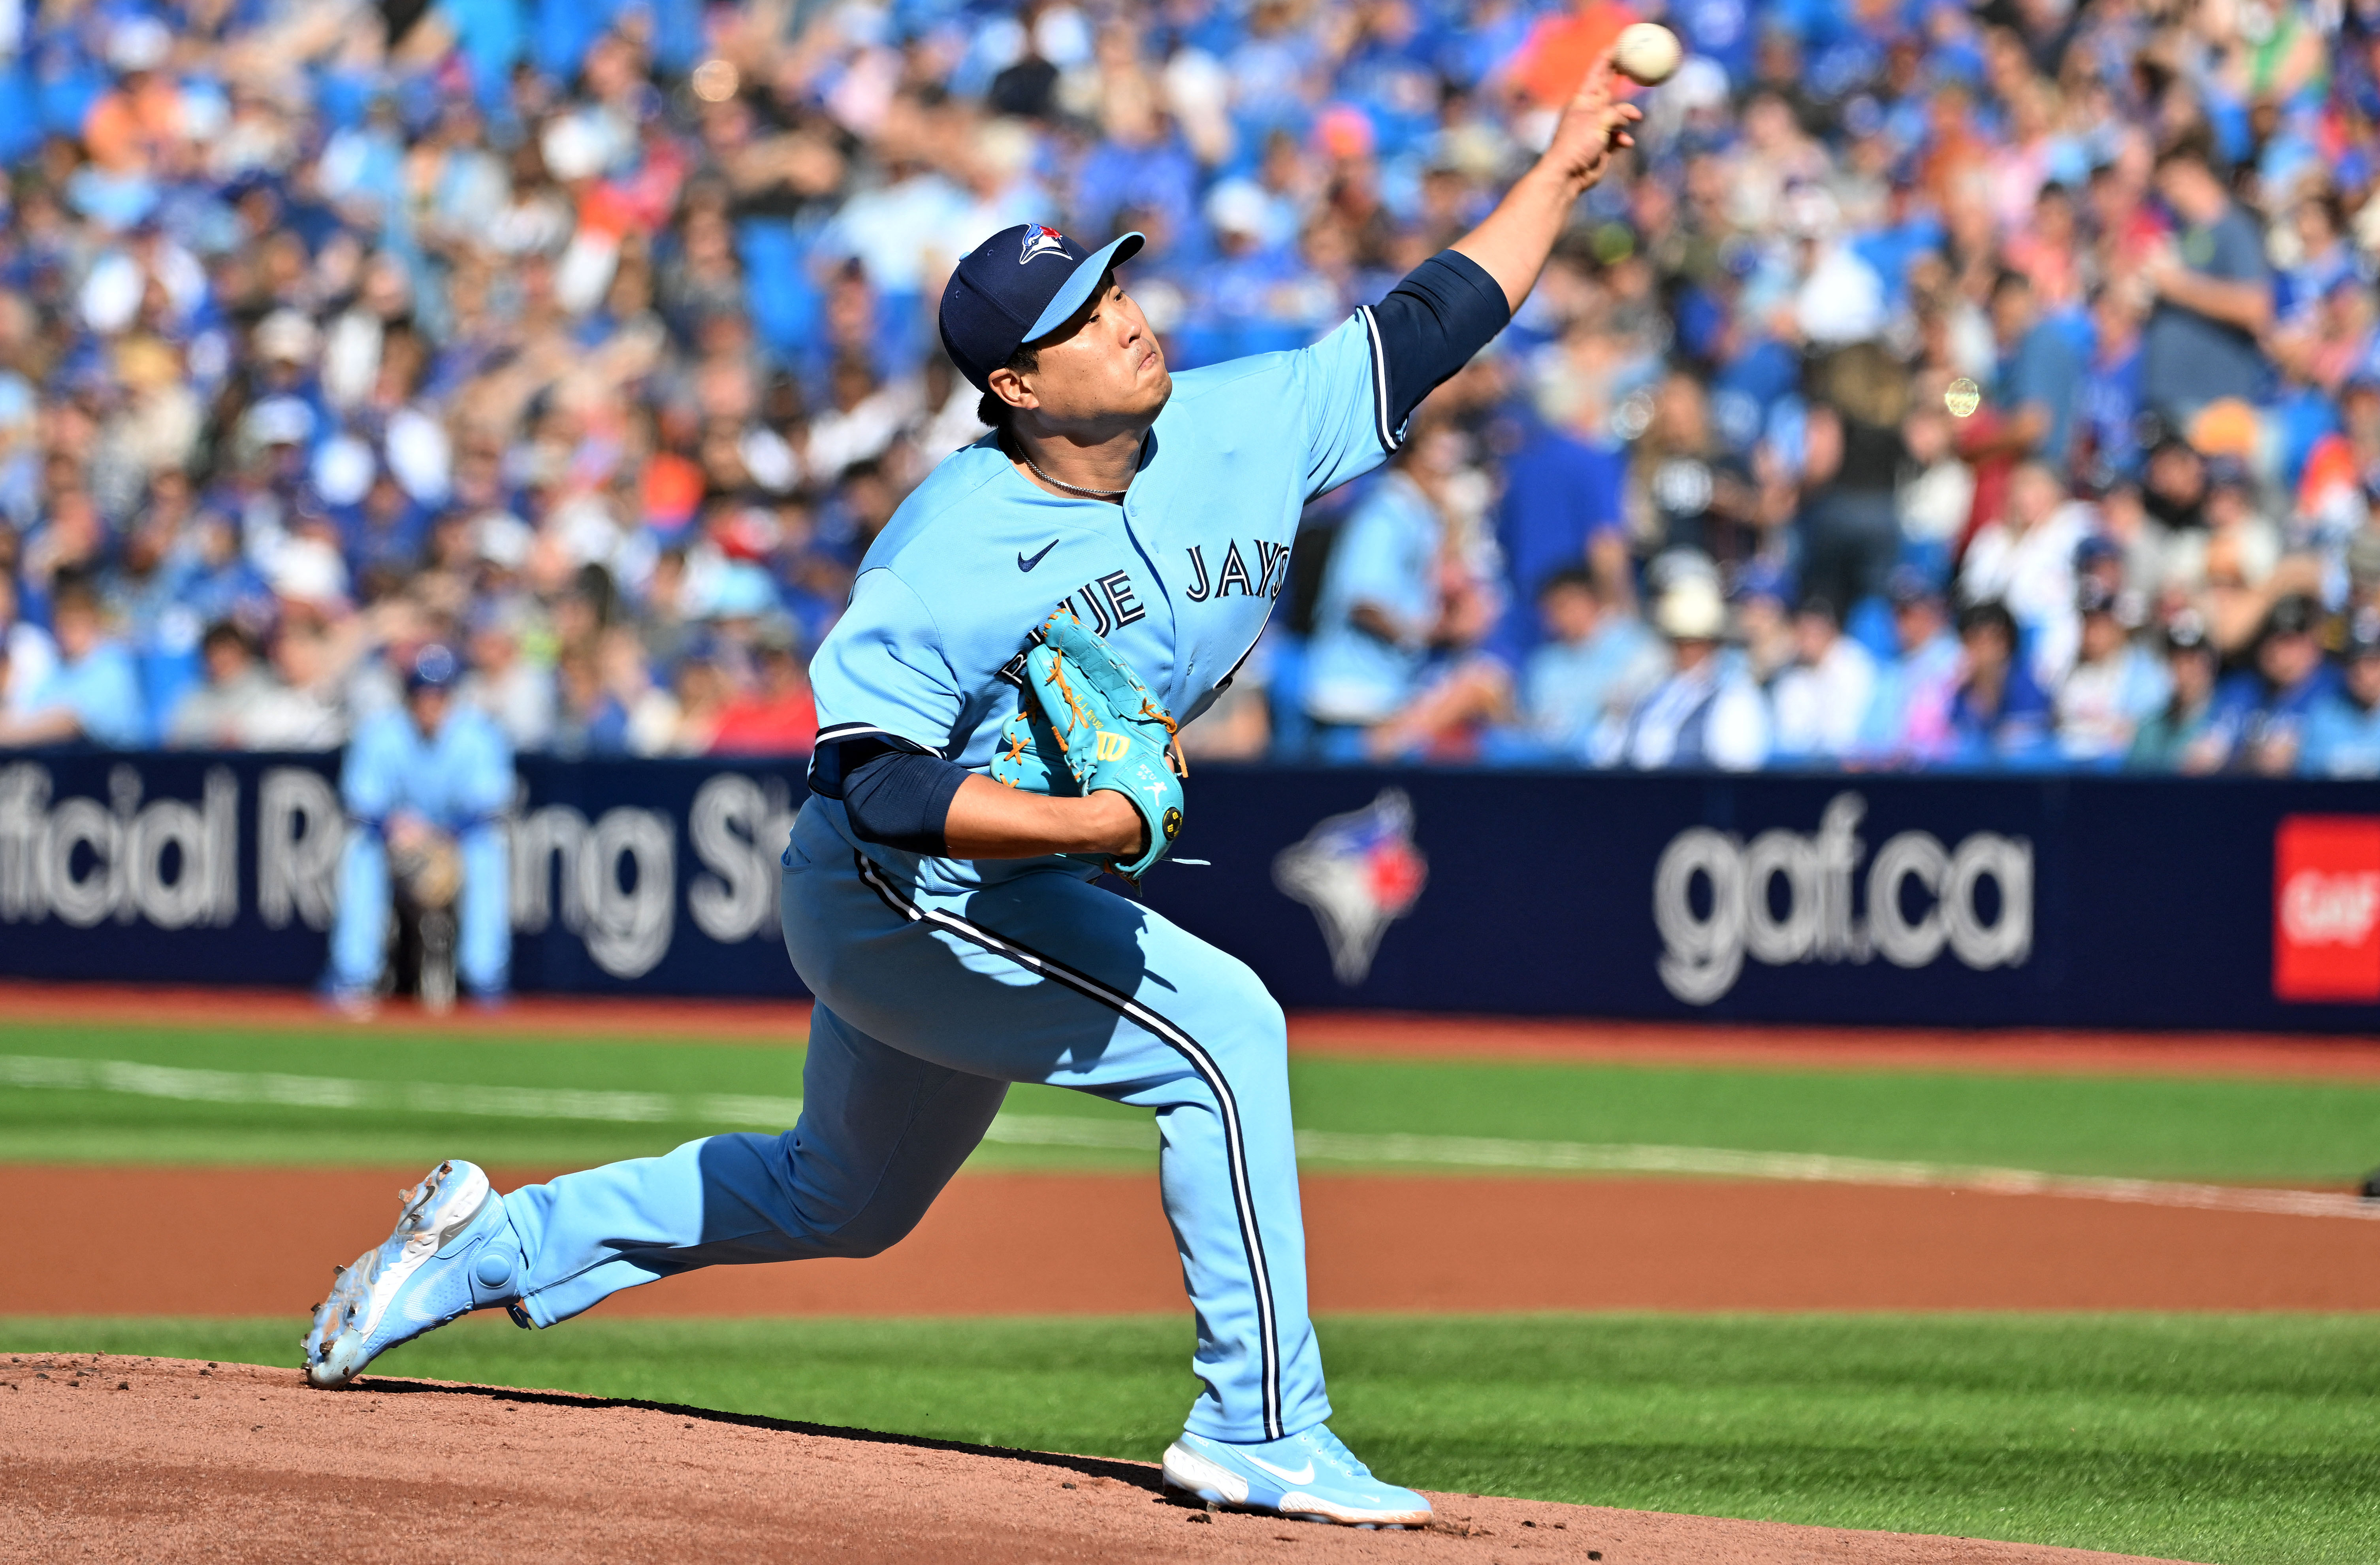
(452, 1252)
(1308, 1477)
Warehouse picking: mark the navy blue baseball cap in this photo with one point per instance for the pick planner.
(1019, 286)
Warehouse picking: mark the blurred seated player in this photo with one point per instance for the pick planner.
(2343, 734)
(1708, 714)
(91, 693)
(2166, 735)
(2115, 685)
(424, 785)
(2260, 712)
(2000, 714)
(1822, 697)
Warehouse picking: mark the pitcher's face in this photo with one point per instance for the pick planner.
(1105, 365)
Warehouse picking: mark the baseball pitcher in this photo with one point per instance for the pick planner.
(996, 716)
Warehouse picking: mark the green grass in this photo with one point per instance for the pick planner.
(2243, 1439)
(2294, 1131)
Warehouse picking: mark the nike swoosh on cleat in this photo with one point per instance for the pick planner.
(1302, 1475)
(1024, 564)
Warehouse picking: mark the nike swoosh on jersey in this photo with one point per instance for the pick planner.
(1024, 564)
(1302, 1475)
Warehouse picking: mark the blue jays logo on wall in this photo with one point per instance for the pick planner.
(1360, 872)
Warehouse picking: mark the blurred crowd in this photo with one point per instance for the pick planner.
(1933, 385)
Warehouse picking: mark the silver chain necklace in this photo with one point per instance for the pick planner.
(1073, 488)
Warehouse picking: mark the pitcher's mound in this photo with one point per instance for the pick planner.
(122, 1459)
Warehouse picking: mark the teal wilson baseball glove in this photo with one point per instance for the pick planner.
(1089, 724)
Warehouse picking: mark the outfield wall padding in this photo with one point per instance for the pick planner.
(2070, 901)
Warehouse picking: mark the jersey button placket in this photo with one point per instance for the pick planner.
(1161, 677)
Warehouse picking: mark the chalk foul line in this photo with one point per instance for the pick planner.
(183, 1085)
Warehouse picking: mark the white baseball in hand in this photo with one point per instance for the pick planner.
(1648, 53)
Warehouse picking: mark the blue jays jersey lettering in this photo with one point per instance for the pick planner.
(1179, 580)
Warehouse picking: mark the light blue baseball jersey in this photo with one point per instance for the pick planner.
(941, 981)
(1179, 580)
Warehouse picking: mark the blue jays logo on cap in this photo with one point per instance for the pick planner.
(1040, 240)
(1002, 295)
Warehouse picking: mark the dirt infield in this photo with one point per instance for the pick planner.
(1358, 1034)
(150, 1241)
(164, 1460)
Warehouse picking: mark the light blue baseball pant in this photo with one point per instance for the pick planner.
(931, 998)
(483, 936)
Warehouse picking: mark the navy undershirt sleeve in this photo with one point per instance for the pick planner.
(1446, 309)
(899, 798)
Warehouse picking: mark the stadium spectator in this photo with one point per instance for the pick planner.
(1562, 507)
(1764, 621)
(2259, 714)
(1936, 490)
(1707, 712)
(775, 717)
(1822, 698)
(2000, 714)
(2040, 376)
(2213, 292)
(220, 714)
(2362, 571)
(1596, 658)
(2343, 733)
(1400, 589)
(2024, 561)
(1907, 721)
(349, 347)
(503, 682)
(1851, 470)
(2166, 738)
(308, 706)
(1238, 724)
(2116, 684)
(93, 691)
(30, 654)
(1687, 491)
